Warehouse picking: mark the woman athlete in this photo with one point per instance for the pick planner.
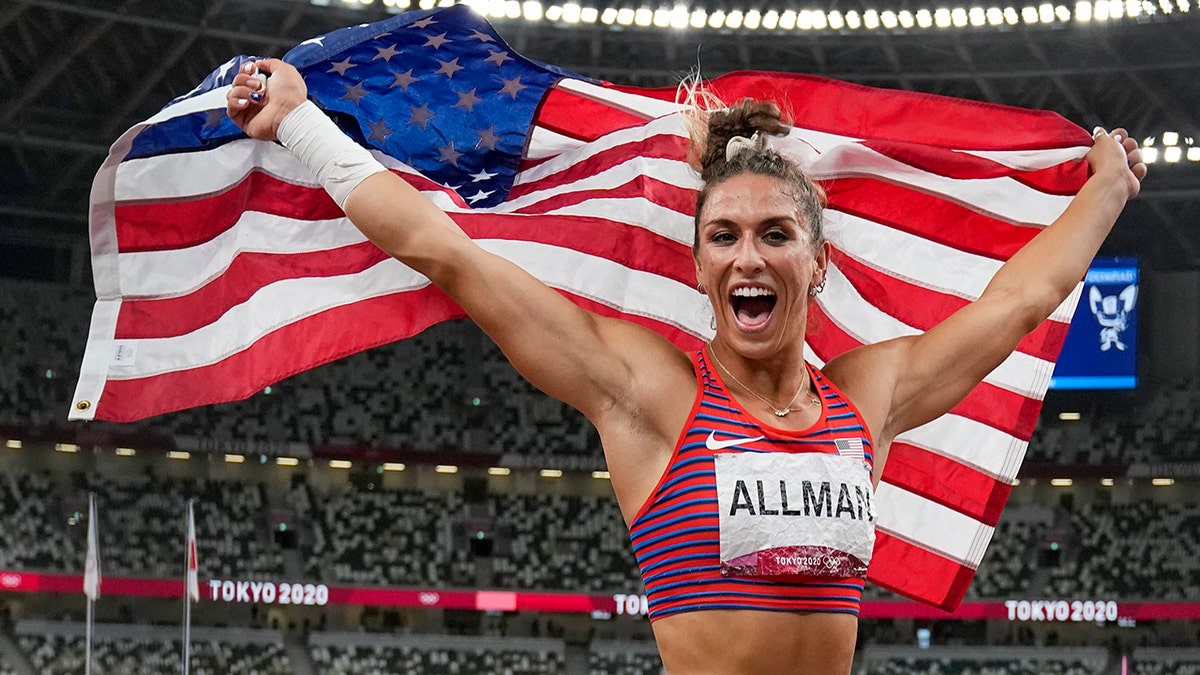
(705, 449)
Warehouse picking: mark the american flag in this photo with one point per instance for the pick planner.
(222, 267)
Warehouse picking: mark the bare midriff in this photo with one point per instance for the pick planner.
(732, 642)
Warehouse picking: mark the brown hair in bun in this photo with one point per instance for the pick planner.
(711, 132)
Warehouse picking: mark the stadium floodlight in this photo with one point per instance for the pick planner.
(643, 17)
(393, 466)
(699, 18)
(1170, 138)
(179, 454)
(1070, 416)
(570, 12)
(888, 18)
(588, 14)
(924, 18)
(532, 10)
(609, 16)
(235, 459)
(679, 17)
(734, 19)
(601, 475)
(716, 19)
(976, 16)
(787, 20)
(753, 19)
(1150, 155)
(1106, 482)
(625, 16)
(853, 20)
(1016, 482)
(125, 452)
(499, 471)
(837, 21)
(1162, 482)
(13, 444)
(1193, 154)
(1166, 6)
(512, 9)
(551, 473)
(906, 19)
(770, 20)
(287, 461)
(69, 448)
(958, 17)
(1061, 482)
(1083, 11)
(995, 16)
(340, 464)
(662, 17)
(871, 19)
(496, 9)
(1172, 154)
(445, 468)
(1133, 8)
(819, 20)
(1062, 13)
(426, 4)
(1011, 17)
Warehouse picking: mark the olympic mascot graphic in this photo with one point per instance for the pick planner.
(1111, 312)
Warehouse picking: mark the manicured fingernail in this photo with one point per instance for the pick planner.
(256, 97)
(1118, 137)
(241, 102)
(249, 67)
(1097, 131)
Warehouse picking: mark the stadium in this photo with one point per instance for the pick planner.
(418, 507)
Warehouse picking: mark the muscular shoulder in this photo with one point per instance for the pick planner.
(867, 376)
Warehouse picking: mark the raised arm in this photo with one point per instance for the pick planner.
(592, 363)
(904, 383)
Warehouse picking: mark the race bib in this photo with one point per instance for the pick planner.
(807, 514)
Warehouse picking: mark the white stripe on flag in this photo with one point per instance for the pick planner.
(972, 443)
(932, 526)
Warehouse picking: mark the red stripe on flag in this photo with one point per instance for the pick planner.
(915, 572)
(1062, 179)
(946, 481)
(291, 349)
(657, 192)
(164, 226)
(656, 147)
(923, 308)
(159, 226)
(865, 112)
(245, 276)
(582, 118)
(928, 216)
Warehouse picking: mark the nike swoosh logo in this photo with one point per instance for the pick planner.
(713, 444)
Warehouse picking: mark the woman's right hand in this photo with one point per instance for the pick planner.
(260, 118)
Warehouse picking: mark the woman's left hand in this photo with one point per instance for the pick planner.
(1115, 153)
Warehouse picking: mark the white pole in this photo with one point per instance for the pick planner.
(187, 596)
(87, 668)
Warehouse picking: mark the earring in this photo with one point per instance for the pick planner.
(712, 322)
(700, 288)
(813, 290)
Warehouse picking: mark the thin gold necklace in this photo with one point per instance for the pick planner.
(779, 412)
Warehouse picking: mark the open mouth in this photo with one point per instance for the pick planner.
(752, 306)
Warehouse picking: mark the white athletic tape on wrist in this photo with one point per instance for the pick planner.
(338, 162)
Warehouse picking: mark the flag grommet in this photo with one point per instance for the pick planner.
(83, 405)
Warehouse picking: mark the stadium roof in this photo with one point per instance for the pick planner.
(75, 75)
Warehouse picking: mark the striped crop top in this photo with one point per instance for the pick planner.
(675, 535)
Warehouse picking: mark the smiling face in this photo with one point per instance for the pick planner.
(757, 261)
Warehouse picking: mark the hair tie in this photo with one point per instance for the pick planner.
(739, 144)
